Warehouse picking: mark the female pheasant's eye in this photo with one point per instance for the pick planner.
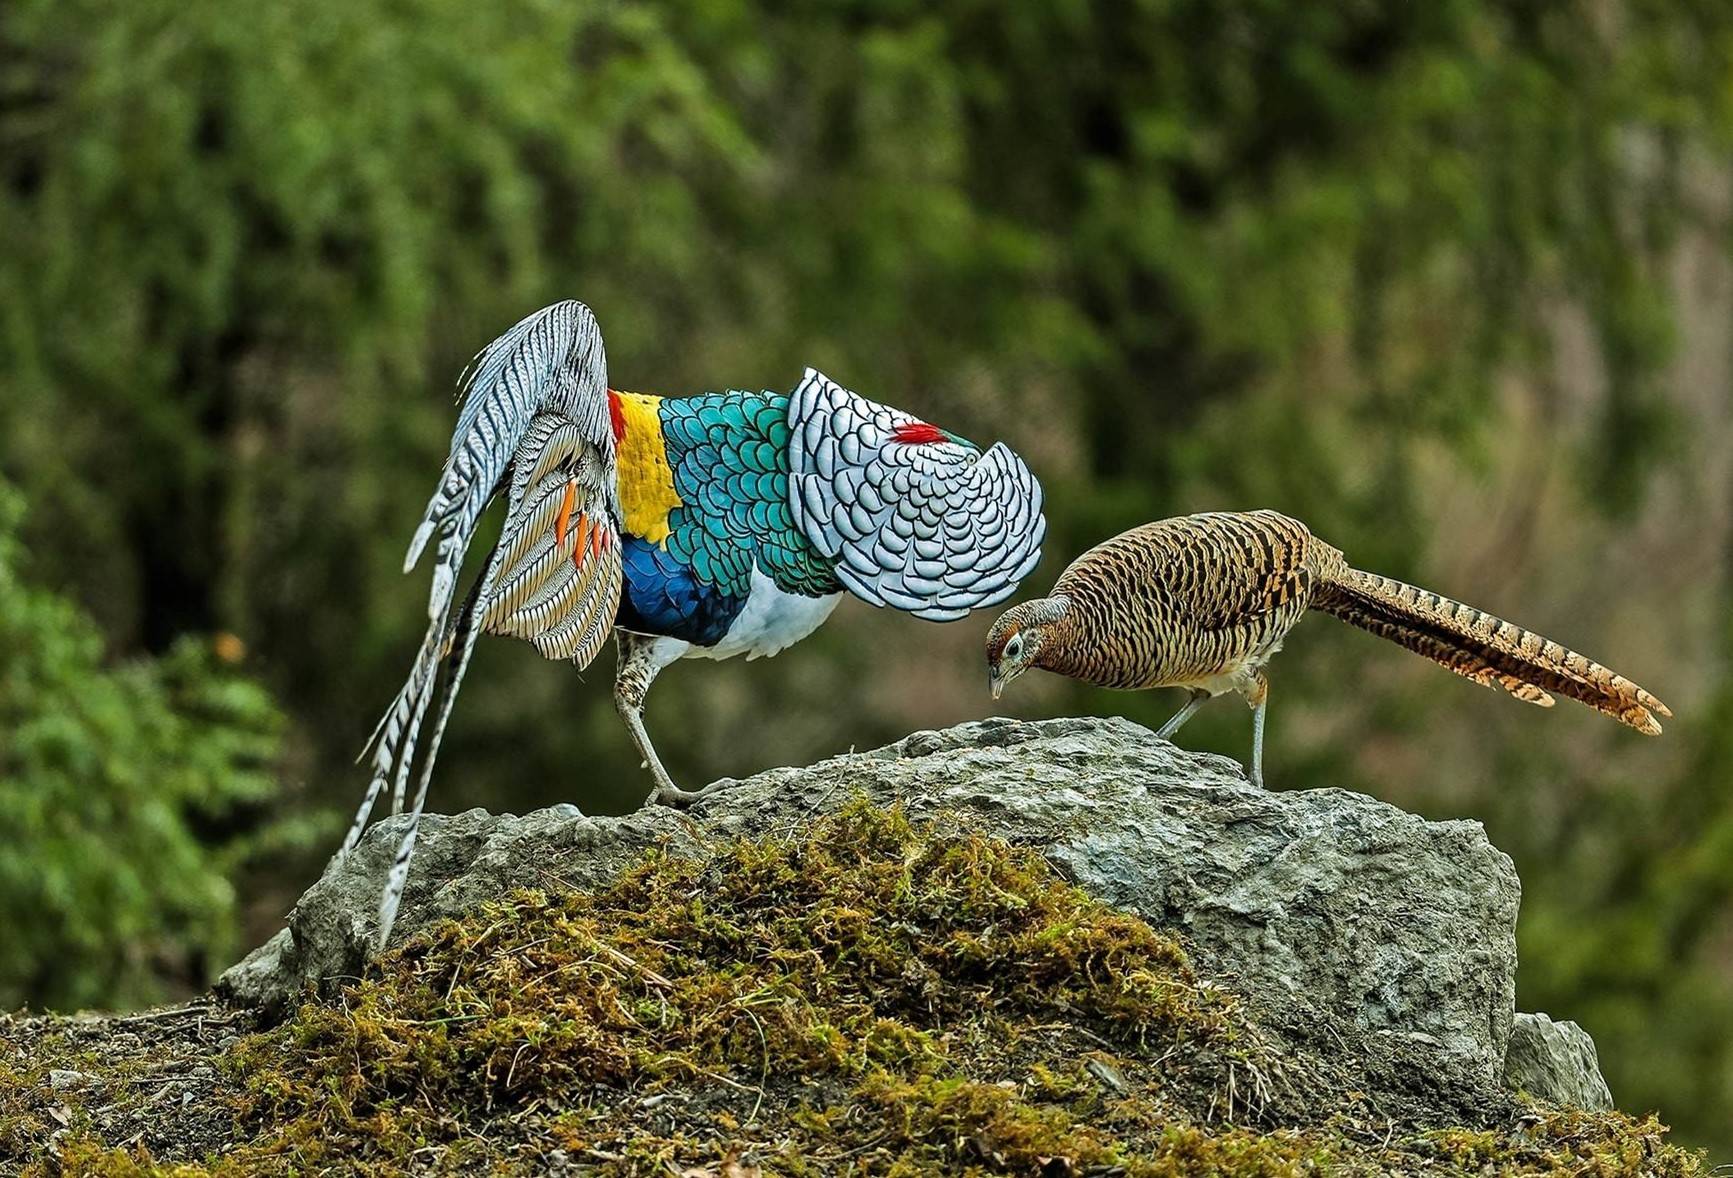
(1014, 647)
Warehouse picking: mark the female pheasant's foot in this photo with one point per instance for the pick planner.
(669, 794)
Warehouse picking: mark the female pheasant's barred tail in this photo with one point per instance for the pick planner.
(535, 413)
(1484, 648)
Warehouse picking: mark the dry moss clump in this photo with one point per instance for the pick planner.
(864, 989)
(866, 997)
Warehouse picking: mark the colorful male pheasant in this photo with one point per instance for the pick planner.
(705, 527)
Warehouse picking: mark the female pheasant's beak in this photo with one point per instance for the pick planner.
(1006, 664)
(1018, 638)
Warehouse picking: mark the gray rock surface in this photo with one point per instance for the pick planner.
(1555, 1062)
(1331, 906)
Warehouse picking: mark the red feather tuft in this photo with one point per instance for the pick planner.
(918, 433)
(616, 417)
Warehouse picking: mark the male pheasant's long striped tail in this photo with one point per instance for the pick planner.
(1484, 648)
(552, 578)
(536, 415)
(393, 742)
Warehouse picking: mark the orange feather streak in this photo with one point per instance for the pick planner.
(586, 528)
(565, 516)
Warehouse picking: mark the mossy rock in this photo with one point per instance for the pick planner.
(865, 995)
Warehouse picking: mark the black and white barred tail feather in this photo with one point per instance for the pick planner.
(535, 415)
(550, 360)
(538, 585)
(387, 740)
(392, 753)
(398, 877)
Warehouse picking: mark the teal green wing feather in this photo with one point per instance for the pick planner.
(729, 457)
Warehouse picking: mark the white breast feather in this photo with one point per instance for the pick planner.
(771, 622)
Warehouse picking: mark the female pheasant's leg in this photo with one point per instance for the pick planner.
(1259, 698)
(641, 660)
(1181, 716)
(1258, 744)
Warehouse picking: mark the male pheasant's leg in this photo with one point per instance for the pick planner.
(1180, 717)
(640, 662)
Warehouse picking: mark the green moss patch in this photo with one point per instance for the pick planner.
(864, 997)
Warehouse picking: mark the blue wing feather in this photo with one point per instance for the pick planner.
(665, 596)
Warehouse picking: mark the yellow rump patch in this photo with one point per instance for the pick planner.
(647, 493)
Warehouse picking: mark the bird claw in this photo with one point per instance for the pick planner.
(669, 794)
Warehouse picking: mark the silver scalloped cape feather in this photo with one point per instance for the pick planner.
(936, 528)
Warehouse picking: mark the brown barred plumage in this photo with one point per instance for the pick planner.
(1203, 601)
(1528, 665)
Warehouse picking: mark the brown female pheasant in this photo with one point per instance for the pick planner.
(1203, 601)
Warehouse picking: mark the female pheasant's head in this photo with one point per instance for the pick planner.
(1019, 638)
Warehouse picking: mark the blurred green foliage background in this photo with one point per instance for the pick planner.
(1451, 281)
